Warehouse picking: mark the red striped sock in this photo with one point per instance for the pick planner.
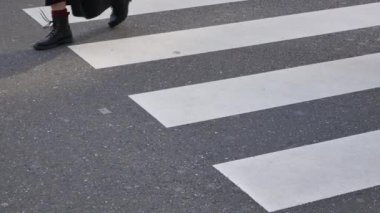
(59, 13)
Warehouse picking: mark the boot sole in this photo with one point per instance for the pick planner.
(61, 42)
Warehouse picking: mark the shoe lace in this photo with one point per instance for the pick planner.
(49, 22)
(52, 33)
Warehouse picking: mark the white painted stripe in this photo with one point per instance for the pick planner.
(202, 40)
(137, 7)
(310, 173)
(201, 102)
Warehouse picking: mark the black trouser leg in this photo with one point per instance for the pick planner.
(51, 2)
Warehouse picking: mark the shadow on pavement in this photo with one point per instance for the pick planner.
(18, 62)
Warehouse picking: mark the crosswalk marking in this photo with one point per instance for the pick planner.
(297, 176)
(138, 7)
(277, 180)
(202, 40)
(201, 102)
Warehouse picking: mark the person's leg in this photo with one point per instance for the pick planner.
(61, 32)
(119, 12)
(58, 6)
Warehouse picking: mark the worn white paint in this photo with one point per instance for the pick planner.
(211, 100)
(223, 37)
(310, 173)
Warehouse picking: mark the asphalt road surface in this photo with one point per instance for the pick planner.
(201, 106)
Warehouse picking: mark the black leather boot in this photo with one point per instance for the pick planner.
(60, 34)
(119, 12)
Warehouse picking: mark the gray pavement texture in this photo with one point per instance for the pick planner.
(58, 153)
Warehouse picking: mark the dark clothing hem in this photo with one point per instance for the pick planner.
(50, 2)
(84, 8)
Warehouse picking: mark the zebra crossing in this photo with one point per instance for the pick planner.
(314, 172)
(245, 94)
(217, 38)
(282, 179)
